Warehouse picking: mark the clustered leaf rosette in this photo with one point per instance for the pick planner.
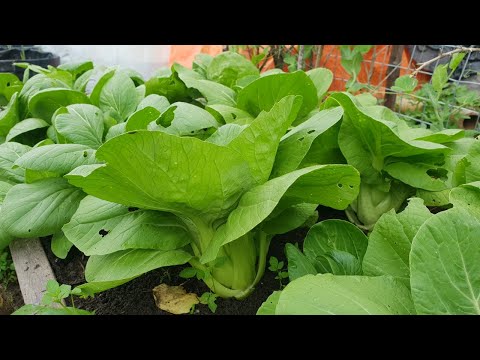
(217, 194)
(396, 161)
(189, 166)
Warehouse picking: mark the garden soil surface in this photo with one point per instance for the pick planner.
(10, 298)
(136, 296)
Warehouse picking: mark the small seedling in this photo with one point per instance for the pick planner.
(7, 269)
(209, 298)
(201, 274)
(192, 272)
(277, 266)
(52, 302)
(55, 293)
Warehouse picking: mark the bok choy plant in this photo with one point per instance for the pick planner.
(394, 160)
(198, 166)
(208, 202)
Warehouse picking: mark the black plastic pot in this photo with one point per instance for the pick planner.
(424, 53)
(32, 56)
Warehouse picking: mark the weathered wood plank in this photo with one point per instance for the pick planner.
(32, 267)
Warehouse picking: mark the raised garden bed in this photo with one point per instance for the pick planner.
(135, 297)
(231, 183)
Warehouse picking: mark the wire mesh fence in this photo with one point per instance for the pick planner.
(459, 101)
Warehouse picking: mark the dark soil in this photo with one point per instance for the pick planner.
(136, 297)
(10, 298)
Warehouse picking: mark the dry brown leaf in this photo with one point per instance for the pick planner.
(174, 299)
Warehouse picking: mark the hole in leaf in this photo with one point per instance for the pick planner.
(31, 229)
(85, 154)
(350, 186)
(132, 209)
(234, 116)
(103, 232)
(132, 132)
(437, 174)
(340, 185)
(310, 131)
(301, 139)
(8, 83)
(205, 129)
(192, 132)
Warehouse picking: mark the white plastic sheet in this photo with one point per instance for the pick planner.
(143, 58)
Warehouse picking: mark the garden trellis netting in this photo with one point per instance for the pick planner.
(378, 72)
(375, 68)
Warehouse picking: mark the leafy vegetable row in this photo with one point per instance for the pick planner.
(203, 166)
(137, 180)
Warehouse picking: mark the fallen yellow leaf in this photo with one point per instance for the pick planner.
(174, 299)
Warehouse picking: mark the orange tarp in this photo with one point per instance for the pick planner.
(184, 54)
(377, 76)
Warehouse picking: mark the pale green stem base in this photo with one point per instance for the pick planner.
(226, 292)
